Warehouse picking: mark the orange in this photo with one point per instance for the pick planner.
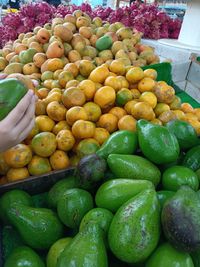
(72, 83)
(64, 77)
(44, 123)
(87, 146)
(117, 67)
(136, 93)
(44, 144)
(118, 112)
(197, 112)
(74, 160)
(4, 167)
(156, 121)
(167, 116)
(164, 93)
(130, 105)
(127, 122)
(83, 129)
(99, 74)
(55, 90)
(59, 160)
(18, 156)
(88, 87)
(61, 125)
(150, 73)
(73, 96)
(47, 83)
(176, 103)
(143, 110)
(15, 174)
(179, 114)
(42, 93)
(33, 132)
(160, 108)
(71, 67)
(146, 84)
(40, 107)
(65, 140)
(56, 111)
(186, 107)
(123, 82)
(190, 115)
(123, 96)
(101, 135)
(108, 121)
(86, 67)
(150, 98)
(105, 97)
(134, 74)
(57, 73)
(54, 64)
(76, 113)
(93, 111)
(39, 165)
(113, 82)
(55, 84)
(98, 85)
(55, 96)
(3, 180)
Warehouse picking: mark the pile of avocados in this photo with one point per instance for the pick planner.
(135, 202)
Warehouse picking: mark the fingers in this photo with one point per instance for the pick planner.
(18, 112)
(26, 119)
(27, 130)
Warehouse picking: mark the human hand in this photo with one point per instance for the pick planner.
(15, 127)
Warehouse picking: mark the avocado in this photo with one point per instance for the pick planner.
(73, 206)
(157, 143)
(184, 132)
(24, 257)
(86, 249)
(167, 256)
(192, 158)
(59, 189)
(135, 229)
(181, 220)
(10, 198)
(120, 142)
(104, 42)
(133, 167)
(90, 170)
(114, 193)
(176, 176)
(11, 92)
(39, 228)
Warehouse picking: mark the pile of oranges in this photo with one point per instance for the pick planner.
(82, 99)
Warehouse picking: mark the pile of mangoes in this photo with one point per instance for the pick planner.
(89, 82)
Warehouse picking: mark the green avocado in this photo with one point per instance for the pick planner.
(114, 193)
(87, 249)
(120, 142)
(163, 196)
(157, 143)
(104, 42)
(133, 167)
(192, 158)
(181, 220)
(184, 133)
(59, 189)
(24, 257)
(135, 229)
(176, 176)
(167, 256)
(73, 206)
(39, 228)
(11, 92)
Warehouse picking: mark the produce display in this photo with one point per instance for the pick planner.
(122, 206)
(88, 78)
(146, 18)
